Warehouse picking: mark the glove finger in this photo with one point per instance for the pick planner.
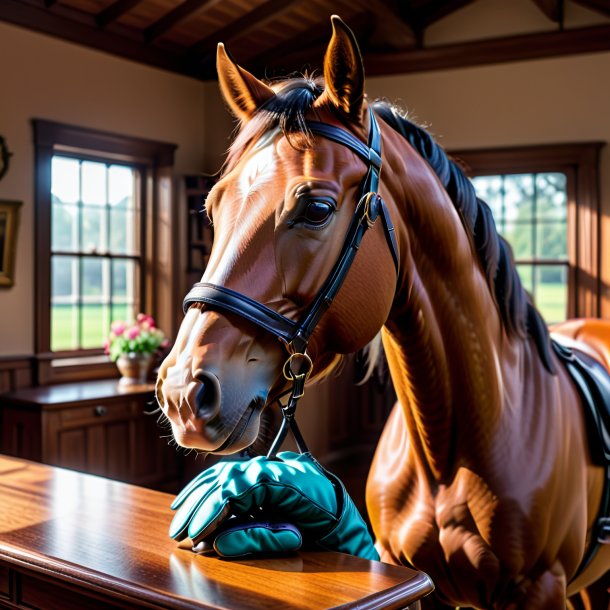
(189, 507)
(201, 479)
(257, 538)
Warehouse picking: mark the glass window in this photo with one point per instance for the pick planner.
(531, 213)
(95, 250)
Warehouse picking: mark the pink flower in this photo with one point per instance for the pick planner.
(133, 332)
(106, 347)
(118, 328)
(145, 321)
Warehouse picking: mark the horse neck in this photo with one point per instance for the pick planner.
(444, 340)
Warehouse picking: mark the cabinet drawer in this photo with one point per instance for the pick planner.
(97, 412)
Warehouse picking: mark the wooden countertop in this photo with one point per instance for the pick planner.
(111, 538)
(62, 394)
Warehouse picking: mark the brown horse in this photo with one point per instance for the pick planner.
(483, 476)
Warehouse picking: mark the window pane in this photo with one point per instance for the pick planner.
(551, 294)
(64, 302)
(65, 180)
(64, 326)
(92, 229)
(95, 317)
(124, 287)
(552, 200)
(93, 279)
(123, 280)
(64, 231)
(519, 236)
(519, 197)
(489, 189)
(526, 273)
(121, 184)
(95, 324)
(122, 231)
(552, 240)
(94, 183)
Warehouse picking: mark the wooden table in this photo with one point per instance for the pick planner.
(72, 541)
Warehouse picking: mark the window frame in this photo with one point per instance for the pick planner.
(154, 163)
(580, 163)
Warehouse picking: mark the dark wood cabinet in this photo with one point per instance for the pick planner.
(96, 427)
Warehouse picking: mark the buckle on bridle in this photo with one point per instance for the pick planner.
(298, 378)
(371, 210)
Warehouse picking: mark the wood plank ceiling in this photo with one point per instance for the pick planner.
(274, 37)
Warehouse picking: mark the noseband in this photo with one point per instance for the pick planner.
(295, 335)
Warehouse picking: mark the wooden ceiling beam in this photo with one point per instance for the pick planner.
(175, 16)
(393, 28)
(427, 12)
(310, 40)
(601, 6)
(553, 9)
(75, 26)
(497, 50)
(206, 48)
(113, 11)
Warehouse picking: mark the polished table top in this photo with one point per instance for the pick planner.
(111, 537)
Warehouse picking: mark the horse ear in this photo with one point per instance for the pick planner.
(343, 71)
(242, 91)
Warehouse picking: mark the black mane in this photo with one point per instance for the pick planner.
(517, 311)
(287, 110)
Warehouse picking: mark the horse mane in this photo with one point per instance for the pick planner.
(287, 111)
(518, 313)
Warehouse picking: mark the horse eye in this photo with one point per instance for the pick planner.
(318, 212)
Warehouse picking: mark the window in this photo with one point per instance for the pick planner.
(96, 254)
(103, 207)
(545, 203)
(531, 213)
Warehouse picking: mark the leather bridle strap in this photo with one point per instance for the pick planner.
(295, 335)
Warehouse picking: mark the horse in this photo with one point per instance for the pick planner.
(483, 476)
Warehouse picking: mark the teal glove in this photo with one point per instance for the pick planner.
(267, 505)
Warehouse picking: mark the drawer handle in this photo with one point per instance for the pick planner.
(100, 411)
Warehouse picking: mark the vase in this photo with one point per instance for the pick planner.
(134, 368)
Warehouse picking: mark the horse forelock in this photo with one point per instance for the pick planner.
(286, 112)
(517, 312)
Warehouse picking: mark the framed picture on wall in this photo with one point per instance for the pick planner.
(9, 220)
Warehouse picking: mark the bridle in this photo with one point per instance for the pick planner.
(295, 335)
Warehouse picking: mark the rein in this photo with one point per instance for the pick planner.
(295, 335)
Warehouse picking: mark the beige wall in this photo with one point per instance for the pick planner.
(43, 77)
(533, 102)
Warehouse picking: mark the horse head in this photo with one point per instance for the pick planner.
(283, 211)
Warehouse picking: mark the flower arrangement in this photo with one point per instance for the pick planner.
(143, 337)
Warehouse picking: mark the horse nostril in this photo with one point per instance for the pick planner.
(208, 395)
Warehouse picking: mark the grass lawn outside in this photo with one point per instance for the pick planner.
(94, 324)
(552, 302)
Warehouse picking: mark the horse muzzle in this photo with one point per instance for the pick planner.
(210, 415)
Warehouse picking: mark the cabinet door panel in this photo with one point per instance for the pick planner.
(117, 450)
(71, 449)
(96, 450)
